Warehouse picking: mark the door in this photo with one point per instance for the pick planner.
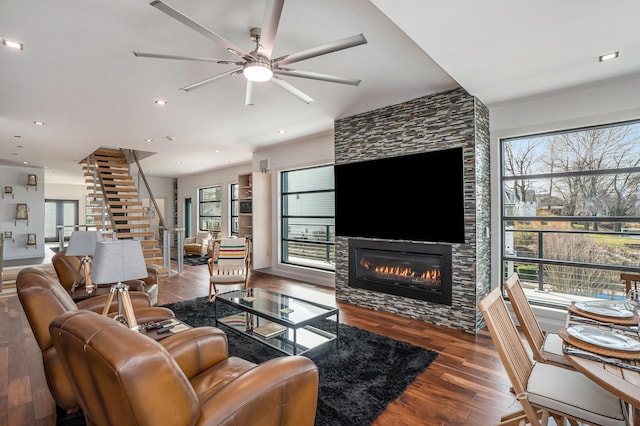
(187, 217)
(56, 213)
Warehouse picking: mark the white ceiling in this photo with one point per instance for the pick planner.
(78, 75)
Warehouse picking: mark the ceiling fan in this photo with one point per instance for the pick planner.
(257, 65)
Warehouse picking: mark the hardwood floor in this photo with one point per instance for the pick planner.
(466, 385)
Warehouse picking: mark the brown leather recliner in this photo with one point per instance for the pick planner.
(68, 271)
(124, 378)
(43, 298)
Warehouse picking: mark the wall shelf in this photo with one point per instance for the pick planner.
(8, 190)
(254, 216)
(32, 181)
(22, 213)
(31, 241)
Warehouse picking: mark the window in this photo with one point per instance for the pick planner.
(210, 209)
(233, 203)
(308, 229)
(571, 212)
(59, 213)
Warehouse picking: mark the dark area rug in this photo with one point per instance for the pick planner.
(359, 376)
(193, 260)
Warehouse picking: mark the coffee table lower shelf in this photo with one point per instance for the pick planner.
(290, 341)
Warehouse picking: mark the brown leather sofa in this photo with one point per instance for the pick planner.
(68, 271)
(125, 378)
(43, 298)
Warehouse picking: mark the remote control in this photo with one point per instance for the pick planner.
(165, 329)
(155, 325)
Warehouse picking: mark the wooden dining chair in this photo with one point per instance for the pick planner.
(546, 390)
(233, 261)
(631, 281)
(546, 347)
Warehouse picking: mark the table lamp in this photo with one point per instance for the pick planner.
(83, 243)
(114, 262)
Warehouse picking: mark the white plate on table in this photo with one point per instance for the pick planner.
(604, 310)
(604, 338)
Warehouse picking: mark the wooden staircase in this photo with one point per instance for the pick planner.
(110, 183)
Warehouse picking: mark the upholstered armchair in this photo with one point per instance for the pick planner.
(197, 245)
(68, 271)
(193, 380)
(43, 298)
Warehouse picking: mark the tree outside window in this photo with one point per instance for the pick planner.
(571, 211)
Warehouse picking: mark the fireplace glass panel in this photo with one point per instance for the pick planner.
(407, 269)
(412, 270)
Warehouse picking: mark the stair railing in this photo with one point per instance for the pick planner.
(163, 232)
(104, 198)
(151, 197)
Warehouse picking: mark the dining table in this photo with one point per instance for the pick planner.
(601, 340)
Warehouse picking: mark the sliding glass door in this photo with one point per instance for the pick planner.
(59, 212)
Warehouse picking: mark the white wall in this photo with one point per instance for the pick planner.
(55, 191)
(162, 189)
(579, 107)
(16, 177)
(188, 188)
(310, 151)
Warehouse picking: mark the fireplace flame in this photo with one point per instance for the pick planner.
(401, 272)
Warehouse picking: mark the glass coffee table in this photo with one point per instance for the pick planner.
(286, 323)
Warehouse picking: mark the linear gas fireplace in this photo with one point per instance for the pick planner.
(414, 270)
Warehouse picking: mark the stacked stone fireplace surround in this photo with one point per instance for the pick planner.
(445, 120)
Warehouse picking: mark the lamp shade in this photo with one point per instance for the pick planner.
(82, 243)
(117, 261)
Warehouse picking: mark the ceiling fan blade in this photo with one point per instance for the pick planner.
(334, 46)
(199, 28)
(211, 79)
(270, 23)
(184, 58)
(248, 98)
(316, 76)
(295, 92)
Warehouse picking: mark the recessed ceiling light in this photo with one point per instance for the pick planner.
(282, 132)
(17, 136)
(148, 140)
(12, 44)
(171, 138)
(160, 101)
(25, 162)
(39, 123)
(178, 162)
(608, 56)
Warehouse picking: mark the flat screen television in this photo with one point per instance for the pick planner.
(417, 197)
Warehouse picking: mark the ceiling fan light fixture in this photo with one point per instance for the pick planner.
(258, 70)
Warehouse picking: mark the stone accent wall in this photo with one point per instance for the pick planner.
(440, 121)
